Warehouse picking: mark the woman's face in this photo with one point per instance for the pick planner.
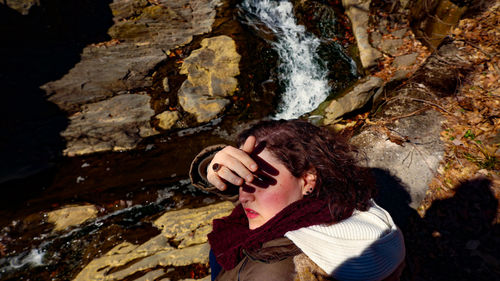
(271, 191)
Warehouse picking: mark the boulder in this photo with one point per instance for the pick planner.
(116, 124)
(167, 119)
(405, 142)
(182, 242)
(211, 72)
(358, 13)
(71, 216)
(354, 99)
(413, 162)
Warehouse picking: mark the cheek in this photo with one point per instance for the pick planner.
(283, 196)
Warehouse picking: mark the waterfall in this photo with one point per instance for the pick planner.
(306, 82)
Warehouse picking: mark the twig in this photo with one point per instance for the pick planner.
(431, 103)
(409, 114)
(477, 47)
(456, 158)
(423, 158)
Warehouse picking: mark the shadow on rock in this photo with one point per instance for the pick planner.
(458, 237)
(41, 44)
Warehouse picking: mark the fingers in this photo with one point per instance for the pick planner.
(214, 179)
(235, 164)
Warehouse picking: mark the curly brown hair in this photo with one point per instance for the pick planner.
(301, 146)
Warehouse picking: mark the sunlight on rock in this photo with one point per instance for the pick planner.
(71, 215)
(211, 72)
(183, 241)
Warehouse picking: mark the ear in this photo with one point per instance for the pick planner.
(309, 181)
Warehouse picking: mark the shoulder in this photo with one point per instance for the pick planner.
(274, 261)
(307, 270)
(367, 240)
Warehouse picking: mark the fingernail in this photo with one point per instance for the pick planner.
(249, 178)
(253, 167)
(216, 167)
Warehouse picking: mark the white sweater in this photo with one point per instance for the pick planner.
(366, 246)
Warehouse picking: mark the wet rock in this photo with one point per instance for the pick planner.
(115, 124)
(167, 119)
(358, 13)
(405, 60)
(211, 72)
(354, 99)
(141, 34)
(391, 46)
(183, 241)
(71, 216)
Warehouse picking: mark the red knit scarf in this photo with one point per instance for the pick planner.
(231, 235)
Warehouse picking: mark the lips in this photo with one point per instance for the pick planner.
(251, 213)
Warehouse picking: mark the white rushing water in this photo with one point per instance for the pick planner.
(306, 83)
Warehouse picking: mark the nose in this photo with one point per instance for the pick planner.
(246, 194)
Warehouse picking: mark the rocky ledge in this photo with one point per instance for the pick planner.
(102, 89)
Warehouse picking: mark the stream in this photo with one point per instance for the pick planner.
(131, 189)
(306, 84)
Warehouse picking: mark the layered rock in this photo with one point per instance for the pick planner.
(211, 72)
(71, 216)
(142, 35)
(182, 241)
(353, 99)
(116, 124)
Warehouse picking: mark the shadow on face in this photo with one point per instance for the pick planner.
(265, 175)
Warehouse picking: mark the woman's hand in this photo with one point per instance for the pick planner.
(233, 165)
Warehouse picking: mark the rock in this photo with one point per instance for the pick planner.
(354, 99)
(167, 119)
(115, 124)
(413, 163)
(446, 16)
(400, 74)
(166, 88)
(211, 71)
(22, 6)
(71, 216)
(400, 33)
(358, 13)
(141, 33)
(391, 46)
(376, 38)
(185, 228)
(405, 60)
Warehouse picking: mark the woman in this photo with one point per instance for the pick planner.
(305, 209)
